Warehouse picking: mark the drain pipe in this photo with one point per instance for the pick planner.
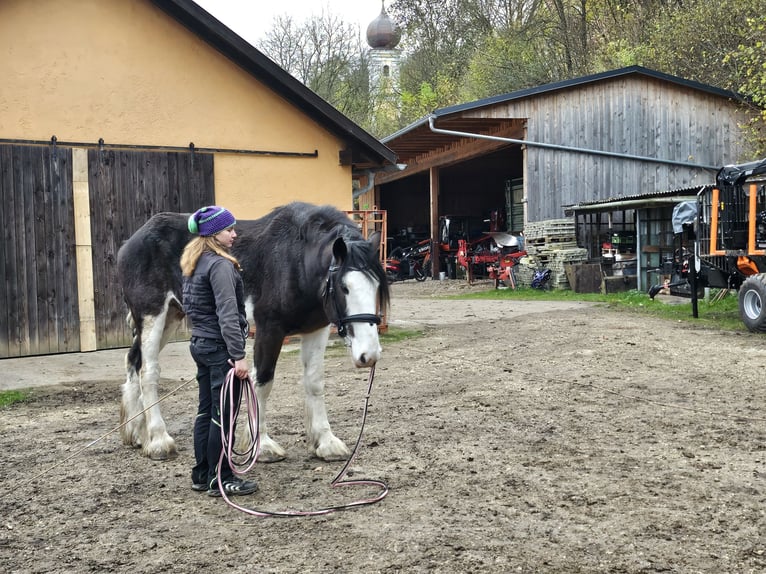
(370, 173)
(370, 184)
(436, 130)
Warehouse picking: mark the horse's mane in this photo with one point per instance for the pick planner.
(324, 224)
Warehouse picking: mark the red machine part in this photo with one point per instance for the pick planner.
(499, 262)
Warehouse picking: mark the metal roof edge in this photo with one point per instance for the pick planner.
(414, 125)
(667, 196)
(554, 86)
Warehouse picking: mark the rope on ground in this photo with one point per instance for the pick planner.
(248, 393)
(102, 437)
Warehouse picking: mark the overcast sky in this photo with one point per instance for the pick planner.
(252, 19)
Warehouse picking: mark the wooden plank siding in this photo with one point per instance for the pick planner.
(39, 310)
(126, 189)
(640, 116)
(37, 270)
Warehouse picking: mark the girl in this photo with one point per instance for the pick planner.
(213, 300)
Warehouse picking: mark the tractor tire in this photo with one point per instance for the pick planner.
(752, 303)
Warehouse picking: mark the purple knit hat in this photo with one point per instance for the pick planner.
(210, 220)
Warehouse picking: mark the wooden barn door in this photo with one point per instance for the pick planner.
(38, 275)
(126, 189)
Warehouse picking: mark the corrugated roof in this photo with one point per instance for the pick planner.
(670, 196)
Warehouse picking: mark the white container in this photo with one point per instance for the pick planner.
(442, 275)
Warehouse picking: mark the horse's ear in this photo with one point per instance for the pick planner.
(339, 249)
(374, 240)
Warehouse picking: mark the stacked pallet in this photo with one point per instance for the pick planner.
(551, 244)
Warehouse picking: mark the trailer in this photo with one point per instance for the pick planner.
(723, 244)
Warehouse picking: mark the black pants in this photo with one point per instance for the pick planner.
(212, 361)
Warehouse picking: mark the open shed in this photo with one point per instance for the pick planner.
(530, 153)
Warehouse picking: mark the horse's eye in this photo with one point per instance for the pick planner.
(344, 289)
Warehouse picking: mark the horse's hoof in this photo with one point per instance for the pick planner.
(334, 457)
(271, 451)
(159, 456)
(271, 457)
(334, 452)
(161, 449)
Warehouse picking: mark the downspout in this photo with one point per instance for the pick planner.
(434, 129)
(370, 173)
(370, 184)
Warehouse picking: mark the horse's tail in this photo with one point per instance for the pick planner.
(134, 358)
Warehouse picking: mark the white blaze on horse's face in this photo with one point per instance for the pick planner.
(361, 298)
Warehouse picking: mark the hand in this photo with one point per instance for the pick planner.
(241, 369)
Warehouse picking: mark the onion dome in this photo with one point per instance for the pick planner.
(383, 31)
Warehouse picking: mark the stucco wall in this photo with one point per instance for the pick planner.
(124, 71)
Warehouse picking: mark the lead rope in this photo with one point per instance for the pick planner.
(250, 454)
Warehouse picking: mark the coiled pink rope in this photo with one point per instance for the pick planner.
(250, 454)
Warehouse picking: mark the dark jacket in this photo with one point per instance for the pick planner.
(214, 301)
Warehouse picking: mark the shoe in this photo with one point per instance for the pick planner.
(235, 487)
(199, 486)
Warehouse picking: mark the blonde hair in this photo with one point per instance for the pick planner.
(196, 247)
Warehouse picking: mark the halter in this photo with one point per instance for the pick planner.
(342, 320)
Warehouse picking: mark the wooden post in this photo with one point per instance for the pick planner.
(434, 203)
(83, 249)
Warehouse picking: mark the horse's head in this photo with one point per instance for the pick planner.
(357, 292)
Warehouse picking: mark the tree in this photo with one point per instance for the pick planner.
(749, 59)
(692, 40)
(326, 54)
(507, 61)
(439, 37)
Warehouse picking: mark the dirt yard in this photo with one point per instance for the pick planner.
(514, 437)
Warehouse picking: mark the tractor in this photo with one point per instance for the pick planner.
(728, 239)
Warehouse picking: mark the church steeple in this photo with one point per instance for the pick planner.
(383, 37)
(383, 33)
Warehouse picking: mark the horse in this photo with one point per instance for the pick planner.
(304, 268)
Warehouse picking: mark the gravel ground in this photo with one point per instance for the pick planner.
(514, 436)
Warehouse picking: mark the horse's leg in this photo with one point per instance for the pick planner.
(319, 435)
(267, 348)
(157, 444)
(132, 425)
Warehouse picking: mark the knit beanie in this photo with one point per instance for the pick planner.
(210, 220)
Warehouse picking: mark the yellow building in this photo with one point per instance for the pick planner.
(112, 110)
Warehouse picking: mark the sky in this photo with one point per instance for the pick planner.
(252, 19)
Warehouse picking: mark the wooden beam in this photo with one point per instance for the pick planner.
(434, 203)
(83, 249)
(467, 149)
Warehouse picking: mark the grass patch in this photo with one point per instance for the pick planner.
(719, 313)
(7, 398)
(397, 334)
(391, 335)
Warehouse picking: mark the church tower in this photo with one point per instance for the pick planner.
(383, 36)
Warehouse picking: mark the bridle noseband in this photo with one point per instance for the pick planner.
(342, 320)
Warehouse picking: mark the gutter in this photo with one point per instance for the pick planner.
(434, 129)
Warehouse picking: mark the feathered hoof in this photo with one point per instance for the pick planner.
(270, 457)
(333, 450)
(161, 449)
(270, 451)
